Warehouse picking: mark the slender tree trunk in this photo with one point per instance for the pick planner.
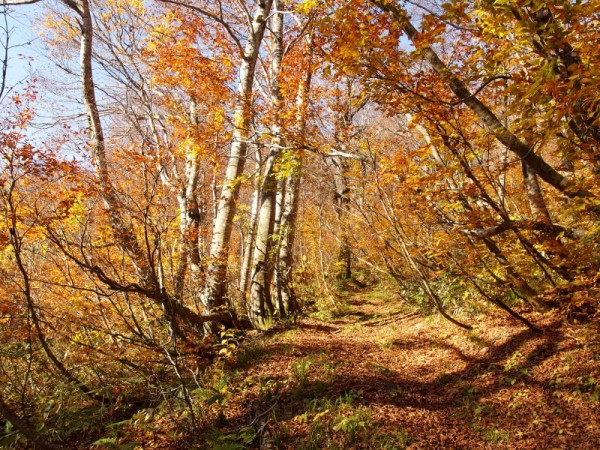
(287, 302)
(537, 204)
(250, 236)
(279, 204)
(541, 215)
(261, 307)
(502, 178)
(341, 190)
(214, 293)
(338, 162)
(123, 231)
(286, 297)
(190, 218)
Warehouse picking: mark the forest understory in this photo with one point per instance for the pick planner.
(377, 374)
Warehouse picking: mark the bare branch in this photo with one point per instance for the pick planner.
(18, 2)
(212, 16)
(524, 224)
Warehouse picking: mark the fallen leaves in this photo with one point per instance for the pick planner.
(421, 383)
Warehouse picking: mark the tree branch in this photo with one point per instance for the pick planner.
(548, 173)
(18, 2)
(212, 16)
(524, 224)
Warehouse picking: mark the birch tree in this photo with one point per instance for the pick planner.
(214, 293)
(261, 307)
(148, 283)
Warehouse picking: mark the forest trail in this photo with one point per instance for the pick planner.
(384, 377)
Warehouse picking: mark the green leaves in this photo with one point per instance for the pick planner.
(238, 440)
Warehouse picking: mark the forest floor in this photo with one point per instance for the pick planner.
(382, 377)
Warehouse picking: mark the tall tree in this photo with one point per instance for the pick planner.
(261, 307)
(142, 258)
(214, 293)
(287, 301)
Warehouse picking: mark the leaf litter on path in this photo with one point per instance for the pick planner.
(387, 378)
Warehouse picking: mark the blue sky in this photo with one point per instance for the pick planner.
(24, 41)
(57, 101)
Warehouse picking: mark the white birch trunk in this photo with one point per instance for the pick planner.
(123, 232)
(250, 237)
(190, 217)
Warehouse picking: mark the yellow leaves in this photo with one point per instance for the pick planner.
(239, 119)
(115, 9)
(190, 147)
(61, 33)
(306, 6)
(227, 62)
(137, 5)
(187, 146)
(219, 117)
(176, 60)
(76, 209)
(88, 338)
(163, 29)
(288, 165)
(227, 351)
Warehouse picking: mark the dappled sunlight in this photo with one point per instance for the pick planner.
(439, 385)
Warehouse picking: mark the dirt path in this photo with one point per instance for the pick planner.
(383, 377)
